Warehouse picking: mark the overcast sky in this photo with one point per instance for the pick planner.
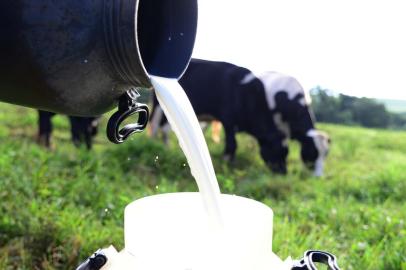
(357, 47)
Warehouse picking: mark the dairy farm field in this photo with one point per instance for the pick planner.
(58, 206)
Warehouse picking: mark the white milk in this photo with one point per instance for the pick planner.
(183, 120)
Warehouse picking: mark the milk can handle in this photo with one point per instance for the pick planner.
(312, 256)
(94, 262)
(127, 107)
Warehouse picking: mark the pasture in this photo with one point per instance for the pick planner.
(58, 206)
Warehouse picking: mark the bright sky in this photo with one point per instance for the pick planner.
(357, 47)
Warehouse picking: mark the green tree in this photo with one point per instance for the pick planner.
(325, 105)
(350, 110)
(369, 113)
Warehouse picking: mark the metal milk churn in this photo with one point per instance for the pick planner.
(80, 57)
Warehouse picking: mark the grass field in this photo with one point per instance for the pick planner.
(57, 207)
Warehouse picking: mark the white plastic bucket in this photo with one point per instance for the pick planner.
(172, 231)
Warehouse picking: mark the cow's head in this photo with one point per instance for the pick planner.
(315, 147)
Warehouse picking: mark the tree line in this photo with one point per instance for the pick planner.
(348, 110)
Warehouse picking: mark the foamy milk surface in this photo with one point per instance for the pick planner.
(183, 120)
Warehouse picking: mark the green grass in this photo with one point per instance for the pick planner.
(57, 207)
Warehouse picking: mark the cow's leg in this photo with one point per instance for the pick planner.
(231, 143)
(76, 130)
(88, 141)
(274, 152)
(166, 129)
(87, 132)
(94, 126)
(45, 128)
(156, 120)
(82, 130)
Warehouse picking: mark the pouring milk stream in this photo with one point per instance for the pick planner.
(184, 123)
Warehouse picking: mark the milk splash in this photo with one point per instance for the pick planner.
(183, 120)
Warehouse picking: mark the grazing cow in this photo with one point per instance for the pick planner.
(83, 129)
(271, 107)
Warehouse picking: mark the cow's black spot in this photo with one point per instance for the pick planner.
(309, 152)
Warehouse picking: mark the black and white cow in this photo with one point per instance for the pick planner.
(291, 112)
(83, 129)
(271, 107)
